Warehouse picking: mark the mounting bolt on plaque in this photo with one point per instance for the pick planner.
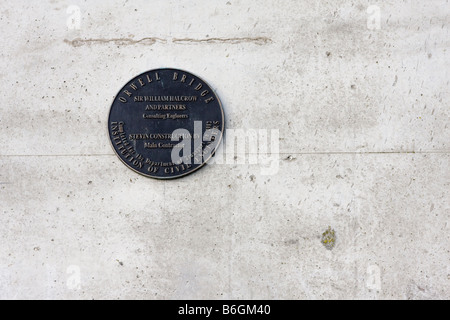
(166, 123)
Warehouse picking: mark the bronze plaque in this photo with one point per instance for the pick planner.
(166, 123)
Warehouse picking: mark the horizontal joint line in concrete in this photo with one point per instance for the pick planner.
(367, 152)
(282, 153)
(55, 155)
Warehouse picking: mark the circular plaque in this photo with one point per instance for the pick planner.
(166, 123)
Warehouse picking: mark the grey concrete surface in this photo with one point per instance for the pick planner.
(358, 90)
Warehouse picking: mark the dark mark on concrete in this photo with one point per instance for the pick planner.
(291, 242)
(395, 81)
(420, 288)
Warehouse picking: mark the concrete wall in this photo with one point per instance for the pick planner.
(358, 90)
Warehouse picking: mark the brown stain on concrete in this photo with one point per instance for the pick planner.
(78, 42)
(255, 40)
